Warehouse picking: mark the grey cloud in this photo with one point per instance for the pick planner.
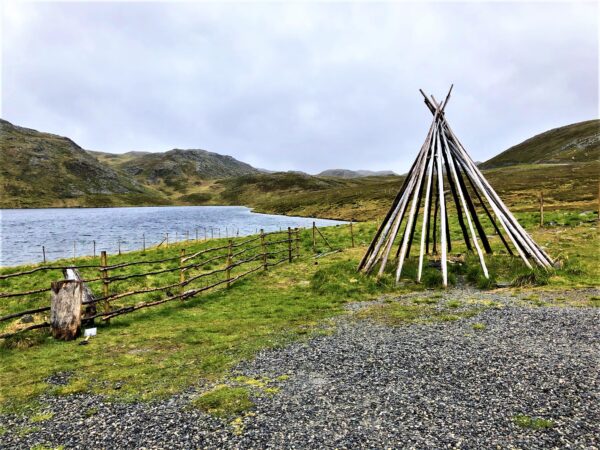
(304, 86)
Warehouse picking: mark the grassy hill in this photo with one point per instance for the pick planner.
(46, 170)
(40, 169)
(576, 143)
(181, 175)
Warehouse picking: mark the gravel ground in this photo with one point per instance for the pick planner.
(440, 385)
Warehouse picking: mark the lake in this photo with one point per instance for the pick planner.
(25, 231)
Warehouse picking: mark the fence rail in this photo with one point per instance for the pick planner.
(190, 272)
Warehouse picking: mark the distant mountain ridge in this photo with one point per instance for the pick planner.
(152, 168)
(42, 169)
(45, 170)
(575, 143)
(345, 173)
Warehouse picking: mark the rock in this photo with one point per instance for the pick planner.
(27, 318)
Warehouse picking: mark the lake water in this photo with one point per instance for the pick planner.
(25, 231)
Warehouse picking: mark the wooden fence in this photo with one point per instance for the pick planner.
(195, 275)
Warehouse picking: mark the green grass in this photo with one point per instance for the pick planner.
(41, 417)
(224, 401)
(154, 353)
(399, 313)
(560, 145)
(532, 423)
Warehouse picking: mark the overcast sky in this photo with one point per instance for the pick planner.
(301, 86)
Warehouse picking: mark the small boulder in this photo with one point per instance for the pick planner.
(27, 318)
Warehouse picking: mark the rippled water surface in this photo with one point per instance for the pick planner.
(25, 231)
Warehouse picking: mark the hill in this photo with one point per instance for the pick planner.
(575, 143)
(182, 175)
(45, 170)
(345, 173)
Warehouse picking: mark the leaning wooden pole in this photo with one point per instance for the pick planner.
(519, 233)
(394, 217)
(414, 209)
(464, 205)
(443, 236)
(426, 214)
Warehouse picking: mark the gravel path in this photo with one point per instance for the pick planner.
(440, 385)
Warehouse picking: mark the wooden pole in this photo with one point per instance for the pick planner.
(181, 270)
(144, 242)
(371, 255)
(435, 216)
(314, 238)
(536, 251)
(464, 205)
(119, 246)
(426, 212)
(414, 207)
(470, 205)
(472, 176)
(94, 248)
(290, 244)
(263, 247)
(444, 238)
(352, 232)
(44, 253)
(503, 215)
(491, 215)
(73, 249)
(541, 208)
(457, 203)
(105, 281)
(229, 253)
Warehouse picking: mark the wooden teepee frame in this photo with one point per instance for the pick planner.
(442, 153)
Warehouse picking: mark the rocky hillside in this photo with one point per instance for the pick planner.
(576, 143)
(176, 168)
(345, 173)
(45, 170)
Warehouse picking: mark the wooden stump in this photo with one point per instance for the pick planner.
(65, 309)
(88, 301)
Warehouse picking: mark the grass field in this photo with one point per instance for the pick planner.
(156, 352)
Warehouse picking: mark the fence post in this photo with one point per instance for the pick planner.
(44, 253)
(119, 246)
(144, 242)
(541, 208)
(105, 281)
(94, 249)
(181, 270)
(314, 238)
(352, 232)
(263, 246)
(229, 252)
(74, 250)
(289, 244)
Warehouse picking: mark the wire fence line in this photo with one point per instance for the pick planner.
(92, 247)
(196, 274)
